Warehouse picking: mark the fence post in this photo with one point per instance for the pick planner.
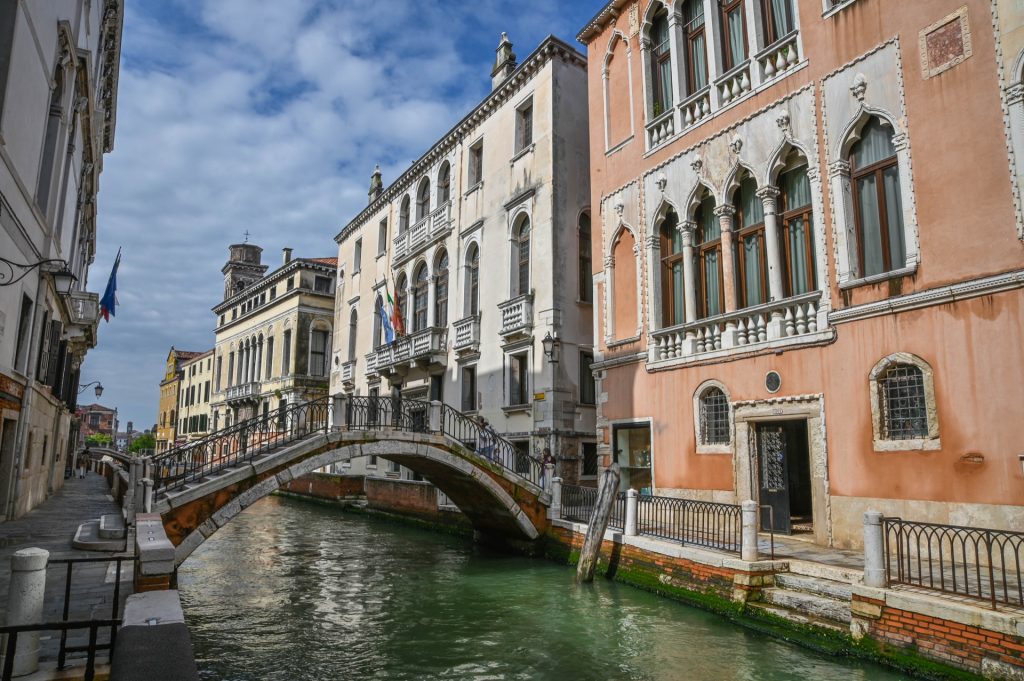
(748, 542)
(631, 508)
(147, 495)
(435, 416)
(555, 511)
(874, 552)
(134, 474)
(339, 412)
(25, 604)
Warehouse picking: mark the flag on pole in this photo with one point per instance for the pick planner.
(385, 322)
(396, 314)
(109, 299)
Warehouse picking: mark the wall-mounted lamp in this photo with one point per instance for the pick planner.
(551, 347)
(57, 269)
(99, 388)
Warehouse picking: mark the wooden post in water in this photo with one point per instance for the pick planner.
(606, 494)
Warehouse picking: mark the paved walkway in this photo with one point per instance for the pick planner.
(52, 526)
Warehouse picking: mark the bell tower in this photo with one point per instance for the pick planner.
(243, 268)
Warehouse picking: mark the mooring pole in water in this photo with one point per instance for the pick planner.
(606, 494)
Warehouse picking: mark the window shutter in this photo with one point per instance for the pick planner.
(44, 349)
(53, 353)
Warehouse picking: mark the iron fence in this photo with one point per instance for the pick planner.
(701, 523)
(977, 563)
(115, 605)
(12, 633)
(486, 442)
(578, 506)
(239, 443)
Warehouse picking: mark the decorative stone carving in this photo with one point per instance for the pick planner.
(859, 87)
(688, 230)
(945, 43)
(736, 144)
(725, 215)
(633, 13)
(662, 182)
(697, 164)
(782, 120)
(619, 206)
(838, 168)
(769, 197)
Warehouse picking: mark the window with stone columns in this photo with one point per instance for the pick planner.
(710, 284)
(660, 64)
(752, 257)
(423, 199)
(403, 215)
(472, 280)
(444, 184)
(521, 257)
(733, 28)
(796, 226)
(877, 203)
(672, 270)
(695, 37)
(441, 290)
(353, 328)
(420, 294)
(904, 413)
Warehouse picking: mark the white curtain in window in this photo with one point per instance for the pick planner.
(752, 270)
(871, 225)
(798, 265)
(874, 145)
(737, 48)
(780, 17)
(700, 67)
(894, 217)
(711, 289)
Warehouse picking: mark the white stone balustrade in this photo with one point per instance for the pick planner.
(516, 315)
(734, 84)
(696, 107)
(661, 129)
(348, 372)
(441, 220)
(796, 316)
(779, 57)
(244, 391)
(467, 333)
(430, 344)
(423, 232)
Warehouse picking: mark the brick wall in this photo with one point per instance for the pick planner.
(401, 497)
(325, 486)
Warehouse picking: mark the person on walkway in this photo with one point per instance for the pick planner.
(546, 458)
(81, 462)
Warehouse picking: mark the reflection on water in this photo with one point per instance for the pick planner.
(296, 591)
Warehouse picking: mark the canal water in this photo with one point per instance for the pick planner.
(293, 591)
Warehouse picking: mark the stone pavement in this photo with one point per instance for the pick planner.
(52, 526)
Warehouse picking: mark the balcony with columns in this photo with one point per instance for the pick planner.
(243, 392)
(467, 335)
(426, 348)
(426, 230)
(516, 317)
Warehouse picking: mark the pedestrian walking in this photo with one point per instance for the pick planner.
(485, 446)
(81, 462)
(546, 458)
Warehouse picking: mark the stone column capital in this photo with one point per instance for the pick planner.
(769, 197)
(725, 215)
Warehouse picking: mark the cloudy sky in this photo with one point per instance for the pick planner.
(267, 116)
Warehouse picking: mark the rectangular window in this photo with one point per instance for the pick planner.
(632, 444)
(220, 369)
(394, 467)
(357, 257)
(270, 357)
(469, 392)
(286, 354)
(372, 463)
(589, 459)
(587, 387)
(322, 284)
(318, 353)
(518, 380)
(206, 391)
(24, 327)
(524, 125)
(291, 283)
(476, 163)
(382, 237)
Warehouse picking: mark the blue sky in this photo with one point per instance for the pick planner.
(267, 116)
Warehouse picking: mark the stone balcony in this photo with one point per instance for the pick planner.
(425, 348)
(84, 311)
(516, 316)
(467, 334)
(781, 323)
(423, 232)
(243, 392)
(348, 373)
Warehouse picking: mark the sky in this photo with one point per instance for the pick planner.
(267, 117)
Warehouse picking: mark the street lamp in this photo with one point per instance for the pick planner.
(99, 388)
(551, 347)
(57, 269)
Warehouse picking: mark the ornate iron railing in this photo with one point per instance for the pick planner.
(701, 523)
(239, 443)
(486, 442)
(578, 506)
(979, 563)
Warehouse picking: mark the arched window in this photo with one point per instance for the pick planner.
(423, 200)
(777, 19)
(753, 261)
(378, 326)
(586, 278)
(696, 46)
(711, 297)
(734, 33)
(661, 64)
(473, 280)
(672, 296)
(444, 184)
(403, 215)
(714, 417)
(49, 156)
(904, 410)
(796, 234)
(877, 204)
(401, 298)
(441, 291)
(419, 298)
(353, 327)
(521, 259)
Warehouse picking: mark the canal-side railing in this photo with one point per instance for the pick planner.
(578, 506)
(69, 565)
(12, 632)
(977, 563)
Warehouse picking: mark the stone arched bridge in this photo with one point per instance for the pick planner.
(200, 487)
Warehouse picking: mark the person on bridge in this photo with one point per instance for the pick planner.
(485, 444)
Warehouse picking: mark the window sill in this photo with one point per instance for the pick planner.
(836, 8)
(915, 445)
(475, 187)
(516, 408)
(588, 303)
(618, 147)
(876, 278)
(715, 449)
(623, 341)
(522, 152)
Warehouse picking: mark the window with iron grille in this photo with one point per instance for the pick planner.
(714, 417)
(904, 408)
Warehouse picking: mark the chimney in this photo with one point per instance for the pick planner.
(504, 62)
(286, 256)
(376, 185)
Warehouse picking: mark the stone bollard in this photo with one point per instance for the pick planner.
(147, 495)
(874, 554)
(549, 476)
(748, 547)
(25, 604)
(435, 416)
(556, 499)
(631, 507)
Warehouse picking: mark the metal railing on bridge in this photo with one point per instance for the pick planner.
(249, 439)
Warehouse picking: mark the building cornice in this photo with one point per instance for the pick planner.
(113, 26)
(273, 278)
(609, 12)
(550, 49)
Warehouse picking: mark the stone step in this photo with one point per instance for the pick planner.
(801, 618)
(835, 573)
(828, 588)
(810, 605)
(88, 538)
(111, 526)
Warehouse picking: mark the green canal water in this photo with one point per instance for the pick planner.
(297, 591)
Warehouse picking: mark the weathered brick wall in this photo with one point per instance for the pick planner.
(401, 497)
(325, 486)
(953, 643)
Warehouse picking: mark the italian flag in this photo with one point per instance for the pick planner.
(395, 313)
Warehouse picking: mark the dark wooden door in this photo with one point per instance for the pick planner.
(773, 474)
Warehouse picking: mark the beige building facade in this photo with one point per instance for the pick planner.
(483, 243)
(196, 391)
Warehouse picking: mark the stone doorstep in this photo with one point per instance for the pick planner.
(825, 571)
(827, 588)
(811, 605)
(112, 526)
(1010, 623)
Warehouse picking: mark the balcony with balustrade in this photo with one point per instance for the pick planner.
(793, 321)
(467, 335)
(516, 317)
(84, 317)
(425, 231)
(426, 348)
(243, 392)
(348, 374)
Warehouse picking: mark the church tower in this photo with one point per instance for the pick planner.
(243, 268)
